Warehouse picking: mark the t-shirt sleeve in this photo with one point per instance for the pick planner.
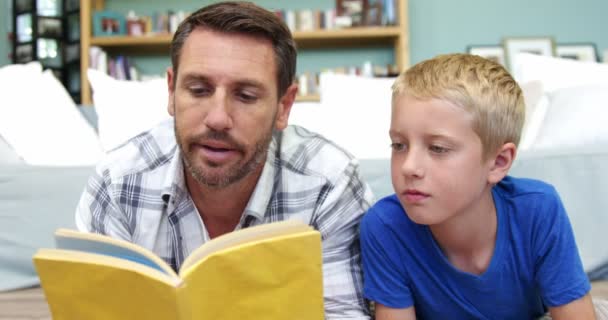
(384, 281)
(559, 270)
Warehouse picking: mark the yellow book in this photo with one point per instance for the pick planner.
(270, 271)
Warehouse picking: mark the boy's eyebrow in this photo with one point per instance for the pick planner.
(393, 133)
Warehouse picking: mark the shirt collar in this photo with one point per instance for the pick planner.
(260, 198)
(174, 184)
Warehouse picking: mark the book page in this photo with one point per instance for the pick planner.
(81, 285)
(276, 278)
(100, 244)
(241, 236)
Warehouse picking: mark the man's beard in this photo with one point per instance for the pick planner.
(236, 171)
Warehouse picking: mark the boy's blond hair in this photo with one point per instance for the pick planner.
(482, 87)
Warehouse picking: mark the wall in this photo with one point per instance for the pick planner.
(439, 26)
(5, 25)
(436, 26)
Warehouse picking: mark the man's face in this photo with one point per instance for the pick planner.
(225, 105)
(438, 171)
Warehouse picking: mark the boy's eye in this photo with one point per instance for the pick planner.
(397, 146)
(438, 149)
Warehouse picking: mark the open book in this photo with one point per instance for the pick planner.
(270, 271)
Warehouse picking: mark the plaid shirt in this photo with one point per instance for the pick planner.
(138, 194)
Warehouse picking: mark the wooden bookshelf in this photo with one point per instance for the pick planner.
(308, 98)
(128, 41)
(396, 36)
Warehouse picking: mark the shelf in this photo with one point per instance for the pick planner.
(304, 39)
(308, 98)
(132, 41)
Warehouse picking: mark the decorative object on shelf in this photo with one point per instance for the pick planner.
(577, 51)
(108, 23)
(23, 5)
(373, 13)
(48, 31)
(50, 27)
(495, 53)
(352, 9)
(71, 5)
(537, 45)
(23, 26)
(24, 53)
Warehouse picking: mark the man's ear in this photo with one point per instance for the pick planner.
(171, 89)
(285, 104)
(501, 162)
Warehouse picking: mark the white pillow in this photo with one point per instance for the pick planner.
(558, 73)
(8, 154)
(355, 113)
(536, 107)
(40, 121)
(126, 108)
(576, 116)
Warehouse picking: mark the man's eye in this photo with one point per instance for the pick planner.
(438, 149)
(396, 146)
(246, 97)
(198, 91)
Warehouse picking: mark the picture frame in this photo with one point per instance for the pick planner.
(50, 27)
(49, 8)
(109, 23)
(354, 9)
(73, 27)
(72, 5)
(72, 52)
(24, 32)
(49, 52)
(24, 53)
(544, 46)
(24, 5)
(495, 53)
(577, 51)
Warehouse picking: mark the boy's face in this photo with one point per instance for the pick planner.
(436, 165)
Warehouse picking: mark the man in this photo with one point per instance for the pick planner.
(229, 160)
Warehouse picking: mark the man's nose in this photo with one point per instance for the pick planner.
(219, 116)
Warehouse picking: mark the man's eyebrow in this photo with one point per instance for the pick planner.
(250, 83)
(240, 83)
(195, 77)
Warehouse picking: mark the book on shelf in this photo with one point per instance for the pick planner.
(270, 271)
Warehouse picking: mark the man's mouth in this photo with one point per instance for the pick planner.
(217, 151)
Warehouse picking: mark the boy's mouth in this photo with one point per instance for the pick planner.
(414, 196)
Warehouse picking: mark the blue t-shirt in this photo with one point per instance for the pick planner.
(535, 261)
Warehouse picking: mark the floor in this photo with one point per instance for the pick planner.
(29, 304)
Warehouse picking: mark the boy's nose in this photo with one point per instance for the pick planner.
(412, 164)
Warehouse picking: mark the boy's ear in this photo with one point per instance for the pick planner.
(501, 162)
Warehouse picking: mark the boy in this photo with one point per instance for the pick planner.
(460, 239)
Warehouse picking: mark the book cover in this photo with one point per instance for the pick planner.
(271, 271)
